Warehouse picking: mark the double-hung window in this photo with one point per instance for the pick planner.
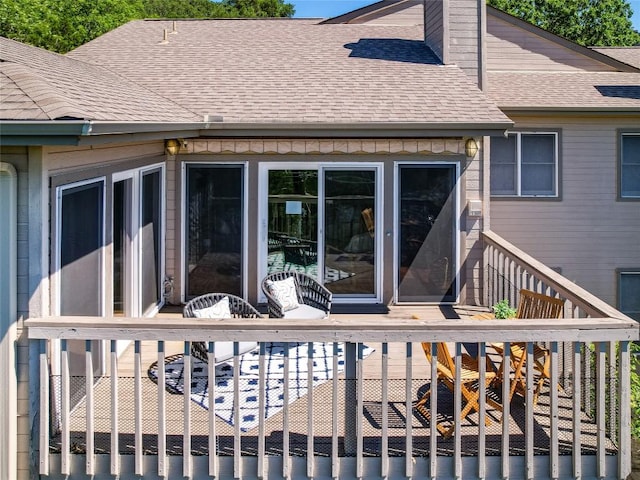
(525, 164)
(630, 165)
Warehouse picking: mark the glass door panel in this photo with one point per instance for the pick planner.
(122, 248)
(427, 222)
(151, 242)
(349, 232)
(292, 221)
(214, 235)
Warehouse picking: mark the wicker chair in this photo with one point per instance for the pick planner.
(314, 299)
(239, 309)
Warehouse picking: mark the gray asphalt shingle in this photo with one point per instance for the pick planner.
(293, 71)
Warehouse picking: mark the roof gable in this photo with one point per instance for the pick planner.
(515, 45)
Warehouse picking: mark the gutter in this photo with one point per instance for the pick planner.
(607, 111)
(87, 132)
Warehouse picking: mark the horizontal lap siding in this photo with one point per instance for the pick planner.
(588, 233)
(434, 28)
(513, 48)
(409, 16)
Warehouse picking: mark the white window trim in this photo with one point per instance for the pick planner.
(518, 193)
(621, 274)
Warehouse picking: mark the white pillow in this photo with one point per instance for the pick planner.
(218, 310)
(285, 292)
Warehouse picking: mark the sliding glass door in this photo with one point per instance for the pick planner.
(427, 223)
(321, 221)
(214, 229)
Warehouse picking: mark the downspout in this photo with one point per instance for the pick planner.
(8, 319)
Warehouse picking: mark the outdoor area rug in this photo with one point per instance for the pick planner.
(249, 388)
(276, 263)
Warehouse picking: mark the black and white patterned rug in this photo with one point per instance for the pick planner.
(276, 263)
(249, 387)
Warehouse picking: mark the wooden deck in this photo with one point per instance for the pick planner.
(322, 411)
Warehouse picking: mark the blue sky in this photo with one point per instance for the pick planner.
(331, 8)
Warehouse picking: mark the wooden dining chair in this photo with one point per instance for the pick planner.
(531, 305)
(469, 381)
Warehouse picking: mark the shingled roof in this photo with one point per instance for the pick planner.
(41, 85)
(284, 71)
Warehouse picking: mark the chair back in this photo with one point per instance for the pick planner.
(445, 363)
(239, 307)
(309, 290)
(537, 305)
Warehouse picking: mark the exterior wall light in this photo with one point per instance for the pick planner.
(172, 147)
(470, 148)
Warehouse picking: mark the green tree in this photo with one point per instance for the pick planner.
(586, 22)
(62, 25)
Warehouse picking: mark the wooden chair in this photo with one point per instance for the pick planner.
(238, 307)
(532, 305)
(469, 380)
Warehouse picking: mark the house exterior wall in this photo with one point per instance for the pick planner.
(17, 157)
(387, 151)
(409, 16)
(516, 49)
(435, 28)
(587, 232)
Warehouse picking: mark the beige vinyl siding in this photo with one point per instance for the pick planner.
(434, 28)
(513, 48)
(18, 157)
(409, 16)
(588, 232)
(67, 157)
(464, 23)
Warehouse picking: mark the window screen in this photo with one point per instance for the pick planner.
(630, 166)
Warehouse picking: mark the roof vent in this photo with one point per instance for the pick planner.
(165, 39)
(174, 30)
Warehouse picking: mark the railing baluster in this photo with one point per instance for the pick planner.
(408, 459)
(359, 410)
(482, 413)
(211, 403)
(237, 438)
(433, 409)
(262, 402)
(457, 410)
(506, 416)
(286, 452)
(115, 440)
(65, 407)
(588, 365)
(162, 413)
(600, 408)
(335, 465)
(624, 415)
(262, 393)
(137, 399)
(310, 416)
(577, 395)
(186, 405)
(45, 409)
(89, 411)
(384, 454)
(553, 400)
(529, 436)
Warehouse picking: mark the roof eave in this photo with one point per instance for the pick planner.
(363, 129)
(626, 111)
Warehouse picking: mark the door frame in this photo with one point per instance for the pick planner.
(320, 167)
(456, 227)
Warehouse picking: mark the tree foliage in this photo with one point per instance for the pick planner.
(62, 25)
(586, 22)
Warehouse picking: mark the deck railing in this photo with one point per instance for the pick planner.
(360, 423)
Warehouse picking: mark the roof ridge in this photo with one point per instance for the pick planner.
(42, 93)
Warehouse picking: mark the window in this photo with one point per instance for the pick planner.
(630, 165)
(629, 293)
(525, 164)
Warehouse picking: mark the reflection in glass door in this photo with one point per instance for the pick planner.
(292, 223)
(349, 232)
(322, 222)
(427, 223)
(122, 248)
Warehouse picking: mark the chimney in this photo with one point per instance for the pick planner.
(455, 31)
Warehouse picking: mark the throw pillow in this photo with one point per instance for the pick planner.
(285, 292)
(217, 310)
